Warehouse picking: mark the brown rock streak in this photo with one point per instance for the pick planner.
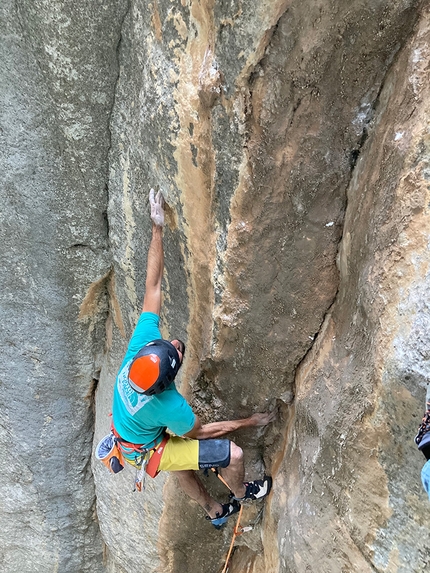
(195, 177)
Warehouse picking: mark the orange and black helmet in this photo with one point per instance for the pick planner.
(154, 367)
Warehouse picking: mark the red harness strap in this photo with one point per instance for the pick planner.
(154, 461)
(135, 447)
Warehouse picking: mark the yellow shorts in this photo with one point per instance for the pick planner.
(180, 454)
(187, 454)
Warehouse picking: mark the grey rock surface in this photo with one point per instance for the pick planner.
(360, 393)
(253, 120)
(290, 140)
(58, 71)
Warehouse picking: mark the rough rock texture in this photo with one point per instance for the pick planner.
(255, 122)
(290, 139)
(58, 72)
(348, 488)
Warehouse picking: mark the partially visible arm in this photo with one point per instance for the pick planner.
(218, 429)
(154, 272)
(155, 265)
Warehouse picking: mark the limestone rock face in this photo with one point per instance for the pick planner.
(359, 391)
(58, 72)
(290, 140)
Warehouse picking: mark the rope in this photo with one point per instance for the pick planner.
(238, 529)
(219, 476)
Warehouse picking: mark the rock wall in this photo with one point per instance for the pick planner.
(291, 142)
(358, 502)
(58, 72)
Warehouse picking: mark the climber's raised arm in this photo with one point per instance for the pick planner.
(155, 265)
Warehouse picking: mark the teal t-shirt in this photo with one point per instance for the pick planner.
(425, 477)
(141, 419)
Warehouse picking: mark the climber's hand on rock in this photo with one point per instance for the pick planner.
(157, 212)
(262, 419)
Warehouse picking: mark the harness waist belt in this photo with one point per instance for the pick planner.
(130, 445)
(154, 461)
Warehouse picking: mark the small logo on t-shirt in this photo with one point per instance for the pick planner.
(132, 400)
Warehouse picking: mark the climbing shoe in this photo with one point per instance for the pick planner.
(228, 509)
(256, 490)
(422, 439)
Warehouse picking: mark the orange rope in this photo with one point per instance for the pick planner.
(219, 476)
(237, 531)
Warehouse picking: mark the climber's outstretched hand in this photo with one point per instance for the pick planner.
(262, 419)
(157, 212)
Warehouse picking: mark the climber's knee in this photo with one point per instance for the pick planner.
(236, 454)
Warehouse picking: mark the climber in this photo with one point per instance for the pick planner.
(422, 440)
(146, 402)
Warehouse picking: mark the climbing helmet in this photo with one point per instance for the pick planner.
(154, 367)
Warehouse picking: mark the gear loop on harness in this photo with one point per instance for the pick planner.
(143, 462)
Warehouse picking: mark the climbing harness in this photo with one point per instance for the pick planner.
(139, 450)
(143, 461)
(154, 461)
(114, 451)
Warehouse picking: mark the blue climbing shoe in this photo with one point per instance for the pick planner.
(228, 509)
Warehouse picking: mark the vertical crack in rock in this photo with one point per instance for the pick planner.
(349, 173)
(368, 125)
(330, 359)
(115, 86)
(276, 13)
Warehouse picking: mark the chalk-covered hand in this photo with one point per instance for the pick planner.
(263, 419)
(157, 211)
